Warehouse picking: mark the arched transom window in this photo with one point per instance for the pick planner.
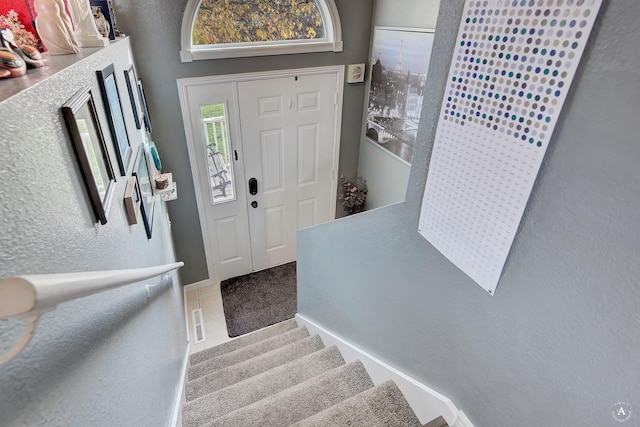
(234, 28)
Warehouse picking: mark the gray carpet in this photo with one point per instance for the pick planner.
(259, 387)
(258, 300)
(281, 376)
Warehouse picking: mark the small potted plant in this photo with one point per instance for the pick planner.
(354, 194)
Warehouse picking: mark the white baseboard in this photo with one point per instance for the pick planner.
(185, 289)
(461, 421)
(197, 285)
(180, 396)
(425, 402)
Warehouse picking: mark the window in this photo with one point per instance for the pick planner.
(237, 28)
(218, 152)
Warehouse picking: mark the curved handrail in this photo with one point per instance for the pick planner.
(27, 297)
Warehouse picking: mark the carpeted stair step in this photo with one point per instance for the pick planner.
(245, 353)
(438, 422)
(381, 406)
(259, 387)
(243, 341)
(241, 371)
(301, 401)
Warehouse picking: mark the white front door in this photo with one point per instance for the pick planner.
(214, 134)
(288, 129)
(281, 129)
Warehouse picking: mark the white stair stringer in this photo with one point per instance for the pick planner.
(427, 403)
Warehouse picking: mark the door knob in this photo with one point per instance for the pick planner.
(253, 186)
(254, 204)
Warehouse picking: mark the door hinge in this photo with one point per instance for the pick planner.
(235, 152)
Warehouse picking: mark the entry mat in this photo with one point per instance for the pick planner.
(260, 299)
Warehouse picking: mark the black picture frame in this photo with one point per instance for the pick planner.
(82, 122)
(132, 86)
(113, 107)
(145, 108)
(147, 198)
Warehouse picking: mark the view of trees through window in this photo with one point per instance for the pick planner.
(237, 21)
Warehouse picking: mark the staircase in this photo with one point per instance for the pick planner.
(280, 376)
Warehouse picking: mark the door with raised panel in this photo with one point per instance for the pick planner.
(289, 138)
(264, 153)
(215, 153)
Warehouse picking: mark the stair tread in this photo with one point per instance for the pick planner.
(245, 353)
(301, 401)
(261, 386)
(243, 341)
(230, 375)
(381, 406)
(438, 422)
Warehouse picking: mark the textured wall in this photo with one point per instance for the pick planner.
(558, 344)
(386, 175)
(155, 28)
(108, 359)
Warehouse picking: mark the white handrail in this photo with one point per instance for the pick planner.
(27, 297)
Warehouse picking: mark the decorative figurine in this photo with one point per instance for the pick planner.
(102, 24)
(11, 65)
(54, 27)
(29, 54)
(86, 31)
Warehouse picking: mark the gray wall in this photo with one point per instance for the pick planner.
(387, 176)
(108, 359)
(558, 344)
(155, 30)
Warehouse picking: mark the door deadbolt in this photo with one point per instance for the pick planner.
(254, 204)
(253, 186)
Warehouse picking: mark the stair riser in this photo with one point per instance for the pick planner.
(288, 379)
(246, 353)
(243, 341)
(301, 401)
(381, 406)
(260, 387)
(226, 377)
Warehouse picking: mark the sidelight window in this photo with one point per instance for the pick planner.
(218, 152)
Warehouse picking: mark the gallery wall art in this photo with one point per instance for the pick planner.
(399, 65)
(510, 74)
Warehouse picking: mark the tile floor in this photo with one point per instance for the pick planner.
(209, 299)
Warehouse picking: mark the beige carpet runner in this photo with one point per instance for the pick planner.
(281, 376)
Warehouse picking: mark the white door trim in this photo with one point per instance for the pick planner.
(186, 83)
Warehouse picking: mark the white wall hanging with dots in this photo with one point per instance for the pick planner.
(511, 70)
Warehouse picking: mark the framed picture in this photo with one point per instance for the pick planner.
(399, 66)
(84, 128)
(145, 109)
(103, 17)
(132, 86)
(132, 200)
(111, 99)
(141, 172)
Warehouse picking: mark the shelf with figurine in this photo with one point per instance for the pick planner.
(164, 185)
(40, 31)
(14, 59)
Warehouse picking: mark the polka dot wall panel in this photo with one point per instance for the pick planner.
(510, 73)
